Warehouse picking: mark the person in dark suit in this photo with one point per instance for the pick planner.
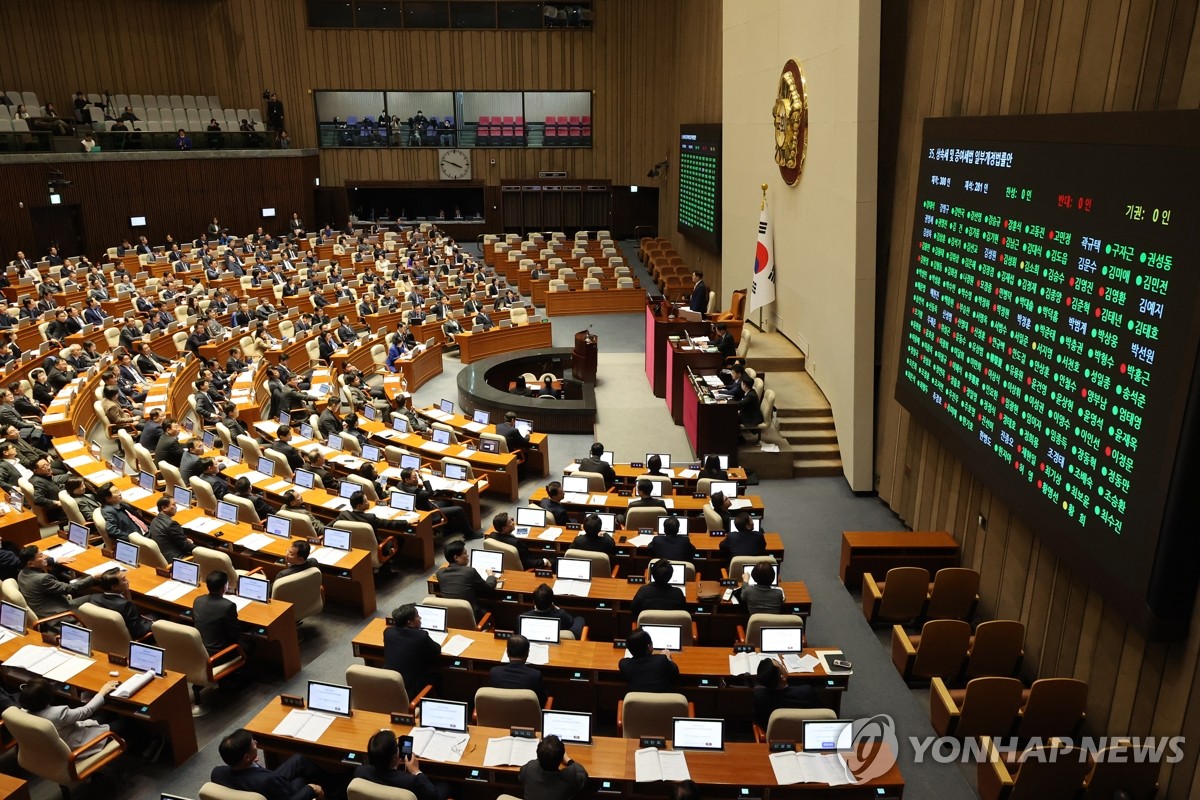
(593, 463)
(502, 531)
(168, 534)
(552, 776)
(721, 504)
(516, 440)
(205, 406)
(284, 447)
(670, 545)
(114, 595)
(646, 498)
(712, 469)
(743, 540)
(295, 779)
(385, 767)
(168, 448)
(552, 503)
(46, 594)
(544, 608)
(659, 594)
(116, 515)
(595, 539)
(407, 649)
(230, 420)
(646, 671)
(749, 412)
(773, 692)
(209, 473)
(297, 559)
(725, 344)
(330, 422)
(516, 674)
(9, 474)
(46, 491)
(457, 520)
(459, 580)
(699, 301)
(215, 616)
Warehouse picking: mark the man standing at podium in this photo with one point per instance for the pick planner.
(699, 301)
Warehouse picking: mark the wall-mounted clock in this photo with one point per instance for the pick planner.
(791, 122)
(454, 164)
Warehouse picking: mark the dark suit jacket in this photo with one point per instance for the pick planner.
(170, 537)
(138, 625)
(648, 502)
(743, 544)
(464, 583)
(168, 449)
(512, 436)
(529, 561)
(518, 676)
(659, 598)
(556, 510)
(216, 619)
(600, 544)
(652, 673)
(413, 654)
(377, 523)
(294, 459)
(269, 783)
(699, 301)
(9, 475)
(749, 412)
(673, 548)
(590, 464)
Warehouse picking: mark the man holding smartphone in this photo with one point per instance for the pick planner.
(391, 762)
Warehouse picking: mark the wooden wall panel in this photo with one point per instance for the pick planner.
(177, 195)
(1034, 56)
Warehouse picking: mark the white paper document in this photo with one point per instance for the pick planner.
(104, 476)
(827, 768)
(279, 487)
(49, 662)
(564, 586)
(598, 500)
(203, 524)
(740, 503)
(255, 541)
(475, 427)
(339, 503)
(78, 461)
(385, 512)
(327, 555)
(445, 746)
(746, 663)
(100, 569)
(550, 534)
(456, 645)
(170, 590)
(69, 447)
(510, 751)
(130, 687)
(436, 447)
(800, 663)
(652, 764)
(63, 551)
(641, 540)
(133, 494)
(306, 725)
(575, 498)
(688, 474)
(240, 602)
(539, 654)
(254, 476)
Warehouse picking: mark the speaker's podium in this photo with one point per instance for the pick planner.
(583, 357)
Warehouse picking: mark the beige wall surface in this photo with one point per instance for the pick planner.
(825, 224)
(990, 57)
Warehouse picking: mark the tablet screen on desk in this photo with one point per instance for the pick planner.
(144, 657)
(279, 526)
(118, 464)
(539, 629)
(266, 466)
(409, 461)
(12, 617)
(185, 572)
(306, 430)
(664, 637)
(337, 538)
(446, 406)
(569, 726)
(697, 734)
(826, 735)
(209, 438)
(608, 522)
(782, 640)
(146, 481)
(348, 488)
(574, 569)
(400, 424)
(304, 479)
(456, 472)
(724, 459)
(285, 418)
(331, 698)
(182, 496)
(482, 417)
(440, 436)
(402, 501)
(727, 488)
(126, 553)
(607, 457)
(370, 412)
(447, 715)
(227, 512)
(483, 560)
(664, 457)
(746, 570)
(335, 441)
(531, 517)
(370, 452)
(77, 534)
(77, 639)
(433, 618)
(489, 446)
(253, 588)
(16, 499)
(234, 454)
(573, 484)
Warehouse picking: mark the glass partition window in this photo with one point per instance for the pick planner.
(394, 118)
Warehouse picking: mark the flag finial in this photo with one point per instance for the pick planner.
(764, 198)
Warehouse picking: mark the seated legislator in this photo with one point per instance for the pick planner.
(552, 503)
(215, 615)
(743, 540)
(645, 670)
(659, 594)
(512, 435)
(593, 463)
(712, 469)
(772, 692)
(552, 776)
(295, 779)
(386, 767)
(757, 594)
(457, 520)
(595, 539)
(168, 534)
(407, 649)
(645, 498)
(114, 595)
(502, 531)
(670, 545)
(516, 674)
(544, 607)
(458, 580)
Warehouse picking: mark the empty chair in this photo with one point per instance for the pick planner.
(642, 714)
(213, 560)
(900, 597)
(955, 594)
(1053, 707)
(459, 613)
(787, 724)
(185, 653)
(595, 480)
(592, 285)
(250, 452)
(380, 690)
(1053, 772)
(643, 517)
(44, 753)
(148, 553)
(938, 651)
(512, 557)
(600, 564)
(110, 634)
(753, 632)
(687, 625)
(303, 590)
(997, 648)
(1114, 771)
(987, 707)
(506, 708)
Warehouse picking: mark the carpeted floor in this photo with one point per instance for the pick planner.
(810, 513)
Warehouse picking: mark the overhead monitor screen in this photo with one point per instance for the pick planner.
(700, 184)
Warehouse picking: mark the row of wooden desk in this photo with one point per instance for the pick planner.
(530, 336)
(606, 301)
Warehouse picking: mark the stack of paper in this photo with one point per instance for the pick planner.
(255, 541)
(170, 590)
(456, 645)
(61, 552)
(444, 746)
(327, 555)
(550, 534)
(133, 494)
(735, 503)
(306, 725)
(204, 524)
(573, 588)
(652, 764)
(475, 427)
(539, 654)
(78, 461)
(575, 498)
(254, 476)
(512, 751)
(747, 663)
(385, 512)
(49, 662)
(828, 768)
(800, 664)
(641, 540)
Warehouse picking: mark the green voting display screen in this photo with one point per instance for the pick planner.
(1050, 329)
(700, 184)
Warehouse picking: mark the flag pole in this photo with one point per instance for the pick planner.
(762, 206)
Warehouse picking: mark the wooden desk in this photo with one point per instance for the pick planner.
(710, 427)
(583, 676)
(13, 788)
(537, 457)
(474, 346)
(683, 479)
(683, 505)
(271, 626)
(878, 551)
(660, 326)
(165, 704)
(607, 301)
(607, 611)
(681, 356)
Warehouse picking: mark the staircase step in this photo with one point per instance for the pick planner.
(800, 439)
(814, 452)
(806, 423)
(824, 468)
(807, 411)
